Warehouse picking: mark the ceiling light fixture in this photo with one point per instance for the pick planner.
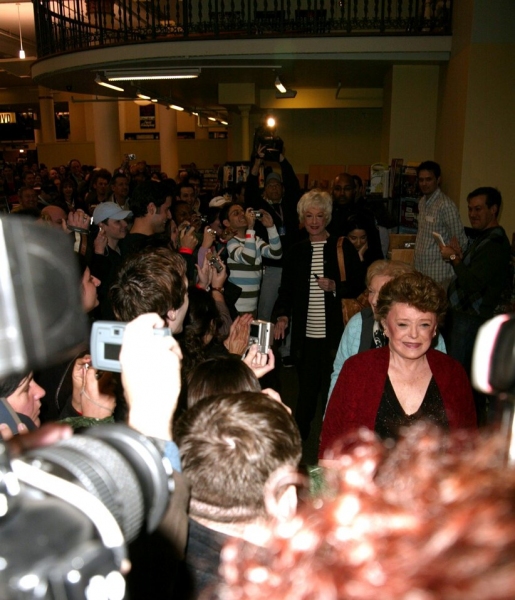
(280, 87)
(101, 80)
(224, 122)
(139, 94)
(286, 94)
(175, 107)
(21, 53)
(150, 74)
(211, 119)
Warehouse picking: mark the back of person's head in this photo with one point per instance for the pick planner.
(145, 193)
(153, 280)
(228, 374)
(431, 518)
(202, 321)
(230, 445)
(387, 268)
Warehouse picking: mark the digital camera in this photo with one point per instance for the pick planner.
(214, 261)
(106, 342)
(261, 333)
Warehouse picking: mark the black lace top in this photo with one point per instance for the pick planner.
(391, 416)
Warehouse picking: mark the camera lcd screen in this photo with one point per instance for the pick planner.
(254, 331)
(112, 351)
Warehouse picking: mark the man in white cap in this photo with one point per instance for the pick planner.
(112, 227)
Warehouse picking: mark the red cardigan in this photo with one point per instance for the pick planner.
(357, 394)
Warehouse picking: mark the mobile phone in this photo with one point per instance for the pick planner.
(438, 238)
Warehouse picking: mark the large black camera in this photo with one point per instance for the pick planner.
(264, 136)
(67, 510)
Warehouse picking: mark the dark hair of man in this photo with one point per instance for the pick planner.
(430, 165)
(493, 196)
(116, 176)
(145, 193)
(224, 211)
(193, 174)
(227, 373)
(100, 174)
(181, 186)
(150, 281)
(230, 445)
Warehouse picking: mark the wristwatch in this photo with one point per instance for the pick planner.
(452, 257)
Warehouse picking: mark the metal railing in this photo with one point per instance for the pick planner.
(64, 25)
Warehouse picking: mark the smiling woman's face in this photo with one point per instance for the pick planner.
(410, 331)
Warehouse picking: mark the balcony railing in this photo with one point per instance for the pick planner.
(65, 25)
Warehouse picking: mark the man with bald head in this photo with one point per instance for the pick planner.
(54, 216)
(344, 192)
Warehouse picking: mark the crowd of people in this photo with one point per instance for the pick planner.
(155, 251)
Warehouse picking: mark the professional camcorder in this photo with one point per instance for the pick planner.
(273, 144)
(67, 510)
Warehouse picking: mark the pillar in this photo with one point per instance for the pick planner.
(46, 116)
(168, 146)
(77, 111)
(245, 132)
(107, 134)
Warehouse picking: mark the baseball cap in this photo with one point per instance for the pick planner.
(217, 201)
(109, 210)
(272, 176)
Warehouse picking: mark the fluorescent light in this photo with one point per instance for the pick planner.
(279, 85)
(211, 119)
(148, 74)
(142, 96)
(224, 123)
(193, 113)
(102, 81)
(175, 107)
(21, 53)
(154, 100)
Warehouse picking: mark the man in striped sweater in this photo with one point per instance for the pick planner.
(246, 251)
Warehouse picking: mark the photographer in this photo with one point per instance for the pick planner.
(247, 250)
(279, 197)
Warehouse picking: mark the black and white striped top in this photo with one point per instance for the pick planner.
(315, 324)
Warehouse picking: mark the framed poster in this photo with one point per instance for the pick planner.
(147, 116)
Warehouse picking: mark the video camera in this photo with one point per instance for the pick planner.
(263, 136)
(67, 510)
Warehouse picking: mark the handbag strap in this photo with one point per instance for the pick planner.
(341, 262)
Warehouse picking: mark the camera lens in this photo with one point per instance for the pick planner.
(119, 466)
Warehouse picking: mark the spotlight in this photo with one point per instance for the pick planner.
(270, 122)
(279, 85)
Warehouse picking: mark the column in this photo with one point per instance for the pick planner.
(77, 121)
(245, 137)
(107, 134)
(46, 116)
(168, 141)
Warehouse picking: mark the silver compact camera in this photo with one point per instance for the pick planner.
(214, 261)
(262, 334)
(106, 342)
